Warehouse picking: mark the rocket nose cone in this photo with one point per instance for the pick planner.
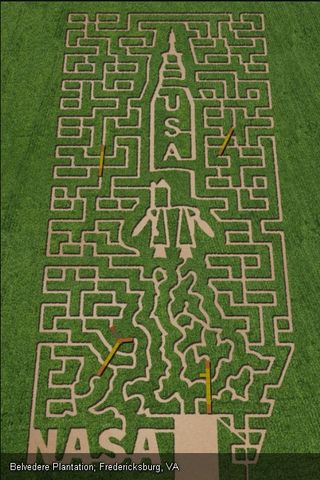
(172, 39)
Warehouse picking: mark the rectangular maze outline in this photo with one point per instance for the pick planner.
(263, 223)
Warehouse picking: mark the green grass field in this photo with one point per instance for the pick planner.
(33, 48)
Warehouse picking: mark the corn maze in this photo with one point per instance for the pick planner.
(171, 244)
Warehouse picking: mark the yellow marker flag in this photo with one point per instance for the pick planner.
(112, 353)
(102, 148)
(226, 141)
(207, 376)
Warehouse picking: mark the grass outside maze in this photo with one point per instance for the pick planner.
(45, 182)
